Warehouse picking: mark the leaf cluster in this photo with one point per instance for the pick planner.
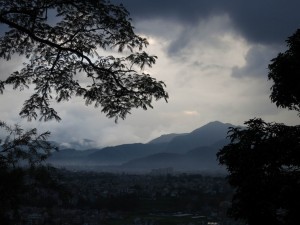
(23, 148)
(63, 41)
(285, 72)
(21, 169)
(85, 48)
(263, 160)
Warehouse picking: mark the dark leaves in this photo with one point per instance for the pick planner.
(21, 148)
(284, 71)
(41, 104)
(22, 154)
(263, 159)
(1, 87)
(59, 49)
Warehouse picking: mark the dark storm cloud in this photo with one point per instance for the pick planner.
(257, 60)
(265, 22)
(180, 11)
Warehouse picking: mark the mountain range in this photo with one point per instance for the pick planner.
(194, 151)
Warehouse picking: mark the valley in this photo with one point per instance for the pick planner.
(187, 152)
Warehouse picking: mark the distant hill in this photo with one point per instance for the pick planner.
(165, 138)
(188, 151)
(123, 153)
(206, 135)
(68, 156)
(198, 159)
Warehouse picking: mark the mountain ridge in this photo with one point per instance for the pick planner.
(196, 149)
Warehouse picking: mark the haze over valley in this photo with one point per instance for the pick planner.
(194, 151)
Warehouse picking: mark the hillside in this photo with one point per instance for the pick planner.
(185, 152)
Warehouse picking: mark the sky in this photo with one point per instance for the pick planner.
(213, 56)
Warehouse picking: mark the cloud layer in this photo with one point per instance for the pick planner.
(265, 22)
(213, 55)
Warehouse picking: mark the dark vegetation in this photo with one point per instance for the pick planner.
(66, 47)
(104, 198)
(21, 154)
(59, 44)
(263, 159)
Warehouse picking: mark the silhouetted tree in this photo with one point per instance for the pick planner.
(64, 42)
(285, 72)
(85, 48)
(20, 153)
(263, 159)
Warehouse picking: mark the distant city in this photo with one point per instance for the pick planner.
(158, 198)
(173, 179)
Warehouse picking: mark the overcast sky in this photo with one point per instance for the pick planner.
(213, 55)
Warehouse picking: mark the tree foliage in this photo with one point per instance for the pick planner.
(85, 48)
(285, 72)
(21, 155)
(23, 147)
(66, 42)
(263, 161)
